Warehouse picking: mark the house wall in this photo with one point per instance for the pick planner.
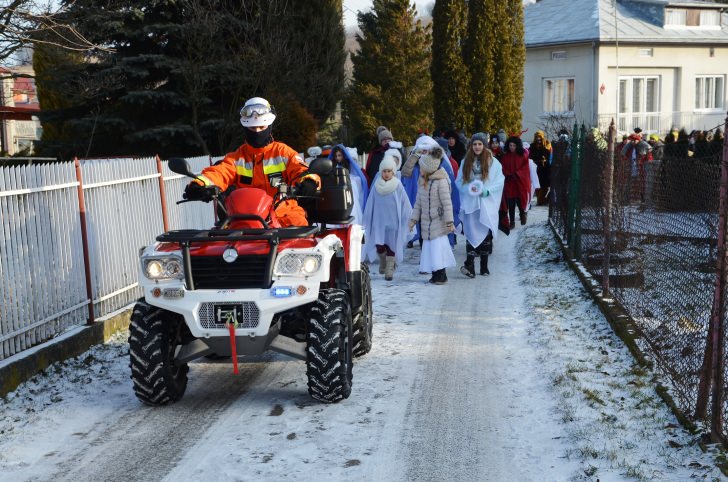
(580, 63)
(676, 67)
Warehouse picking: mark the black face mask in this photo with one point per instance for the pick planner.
(259, 139)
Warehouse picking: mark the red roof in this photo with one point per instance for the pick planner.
(24, 113)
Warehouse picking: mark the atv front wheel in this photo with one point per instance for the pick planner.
(363, 324)
(153, 336)
(329, 351)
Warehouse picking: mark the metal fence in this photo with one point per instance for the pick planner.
(653, 234)
(71, 233)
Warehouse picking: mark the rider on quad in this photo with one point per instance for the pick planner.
(260, 162)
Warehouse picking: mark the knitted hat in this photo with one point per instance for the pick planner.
(430, 162)
(383, 134)
(392, 160)
(480, 136)
(389, 162)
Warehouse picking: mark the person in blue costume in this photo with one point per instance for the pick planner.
(359, 185)
(386, 216)
(411, 175)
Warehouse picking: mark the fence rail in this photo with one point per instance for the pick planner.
(653, 233)
(121, 206)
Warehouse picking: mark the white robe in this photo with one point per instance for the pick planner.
(535, 184)
(385, 222)
(479, 215)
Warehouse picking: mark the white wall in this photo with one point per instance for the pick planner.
(579, 64)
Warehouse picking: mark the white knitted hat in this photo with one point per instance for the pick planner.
(393, 158)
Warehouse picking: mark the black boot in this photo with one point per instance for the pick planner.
(438, 277)
(524, 218)
(484, 264)
(468, 269)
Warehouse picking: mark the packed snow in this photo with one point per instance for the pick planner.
(512, 376)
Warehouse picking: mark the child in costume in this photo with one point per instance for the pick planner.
(480, 184)
(386, 215)
(433, 209)
(359, 185)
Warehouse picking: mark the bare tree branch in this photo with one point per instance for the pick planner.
(24, 23)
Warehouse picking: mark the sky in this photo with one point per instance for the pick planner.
(351, 7)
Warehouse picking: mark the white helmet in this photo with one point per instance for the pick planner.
(257, 112)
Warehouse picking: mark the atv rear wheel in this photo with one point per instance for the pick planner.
(363, 320)
(153, 336)
(329, 352)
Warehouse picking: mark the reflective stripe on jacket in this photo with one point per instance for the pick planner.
(257, 167)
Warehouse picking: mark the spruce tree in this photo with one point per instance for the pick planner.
(509, 59)
(450, 77)
(391, 83)
(181, 70)
(314, 69)
(479, 59)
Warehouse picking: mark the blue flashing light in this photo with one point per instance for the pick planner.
(281, 291)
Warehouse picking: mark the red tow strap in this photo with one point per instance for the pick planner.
(233, 349)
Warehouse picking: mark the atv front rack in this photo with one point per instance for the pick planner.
(186, 237)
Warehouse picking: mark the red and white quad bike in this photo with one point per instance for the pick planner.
(249, 285)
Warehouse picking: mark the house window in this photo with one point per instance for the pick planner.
(558, 55)
(645, 52)
(692, 18)
(558, 95)
(639, 103)
(709, 92)
(710, 18)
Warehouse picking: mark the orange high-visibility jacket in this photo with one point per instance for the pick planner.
(256, 167)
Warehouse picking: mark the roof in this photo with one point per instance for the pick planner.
(24, 113)
(558, 22)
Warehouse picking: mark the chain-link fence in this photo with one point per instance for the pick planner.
(649, 229)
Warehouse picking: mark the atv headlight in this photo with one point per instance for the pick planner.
(163, 267)
(298, 264)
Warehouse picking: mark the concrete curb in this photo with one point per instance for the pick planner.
(624, 326)
(23, 366)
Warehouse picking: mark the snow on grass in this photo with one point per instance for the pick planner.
(618, 426)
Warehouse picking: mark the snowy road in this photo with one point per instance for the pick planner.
(470, 381)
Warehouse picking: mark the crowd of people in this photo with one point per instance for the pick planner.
(446, 186)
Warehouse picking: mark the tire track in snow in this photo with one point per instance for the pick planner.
(474, 387)
(144, 445)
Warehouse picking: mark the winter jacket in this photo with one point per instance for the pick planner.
(517, 171)
(433, 207)
(256, 167)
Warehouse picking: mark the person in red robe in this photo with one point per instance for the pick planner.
(517, 187)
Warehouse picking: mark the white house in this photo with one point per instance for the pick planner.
(19, 126)
(653, 64)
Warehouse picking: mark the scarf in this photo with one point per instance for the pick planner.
(386, 187)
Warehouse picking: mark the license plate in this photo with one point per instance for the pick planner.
(228, 314)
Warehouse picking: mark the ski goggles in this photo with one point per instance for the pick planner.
(256, 110)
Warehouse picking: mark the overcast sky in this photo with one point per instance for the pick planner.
(353, 6)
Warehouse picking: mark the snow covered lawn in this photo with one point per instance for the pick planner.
(514, 376)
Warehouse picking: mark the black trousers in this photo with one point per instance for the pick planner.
(483, 249)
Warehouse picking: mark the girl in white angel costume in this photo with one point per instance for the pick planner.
(480, 183)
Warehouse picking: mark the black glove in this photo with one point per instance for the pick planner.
(197, 192)
(307, 187)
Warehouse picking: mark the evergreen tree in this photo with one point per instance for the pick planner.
(315, 72)
(181, 69)
(509, 60)
(479, 47)
(391, 85)
(450, 77)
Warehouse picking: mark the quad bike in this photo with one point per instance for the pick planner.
(249, 285)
